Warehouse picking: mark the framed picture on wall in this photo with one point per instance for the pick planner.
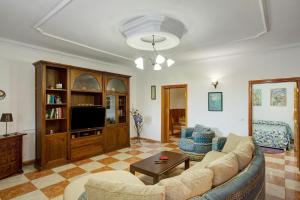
(215, 101)
(278, 97)
(153, 92)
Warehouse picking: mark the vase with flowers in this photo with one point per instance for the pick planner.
(138, 123)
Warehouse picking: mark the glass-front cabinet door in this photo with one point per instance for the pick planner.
(122, 112)
(111, 109)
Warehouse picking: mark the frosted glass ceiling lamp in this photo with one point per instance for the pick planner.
(170, 62)
(139, 63)
(157, 67)
(160, 59)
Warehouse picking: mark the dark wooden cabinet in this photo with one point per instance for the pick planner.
(56, 149)
(60, 87)
(10, 154)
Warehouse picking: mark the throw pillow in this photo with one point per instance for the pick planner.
(232, 141)
(103, 189)
(244, 153)
(188, 185)
(224, 168)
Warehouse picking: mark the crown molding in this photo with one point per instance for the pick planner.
(54, 11)
(245, 53)
(61, 53)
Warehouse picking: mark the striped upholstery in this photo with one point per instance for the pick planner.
(196, 143)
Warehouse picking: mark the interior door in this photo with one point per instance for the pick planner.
(296, 124)
(165, 114)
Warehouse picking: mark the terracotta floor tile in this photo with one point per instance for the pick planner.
(107, 161)
(80, 162)
(132, 160)
(17, 190)
(275, 155)
(154, 151)
(55, 190)
(72, 172)
(292, 176)
(275, 165)
(171, 146)
(275, 180)
(102, 169)
(134, 146)
(292, 163)
(291, 194)
(38, 174)
(134, 152)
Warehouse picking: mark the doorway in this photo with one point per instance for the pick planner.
(173, 110)
(274, 103)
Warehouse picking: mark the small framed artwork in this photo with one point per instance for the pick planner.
(215, 101)
(256, 97)
(278, 97)
(153, 92)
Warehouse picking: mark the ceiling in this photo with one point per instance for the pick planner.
(91, 28)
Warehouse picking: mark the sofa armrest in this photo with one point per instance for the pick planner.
(218, 143)
(186, 132)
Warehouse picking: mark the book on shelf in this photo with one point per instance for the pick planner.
(53, 99)
(54, 113)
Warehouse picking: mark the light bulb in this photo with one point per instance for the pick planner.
(170, 62)
(139, 63)
(160, 59)
(157, 67)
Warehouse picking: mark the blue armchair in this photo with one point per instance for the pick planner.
(196, 142)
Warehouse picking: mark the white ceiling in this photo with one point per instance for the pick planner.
(91, 28)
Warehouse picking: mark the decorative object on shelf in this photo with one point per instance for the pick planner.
(256, 97)
(153, 92)
(215, 83)
(51, 131)
(278, 97)
(86, 81)
(153, 33)
(138, 123)
(215, 101)
(59, 86)
(6, 117)
(156, 60)
(2, 94)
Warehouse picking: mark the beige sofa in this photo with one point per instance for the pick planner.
(215, 169)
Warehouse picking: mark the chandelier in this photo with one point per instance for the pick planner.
(157, 60)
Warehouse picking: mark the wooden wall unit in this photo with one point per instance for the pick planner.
(56, 143)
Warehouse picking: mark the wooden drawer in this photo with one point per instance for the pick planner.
(84, 141)
(86, 151)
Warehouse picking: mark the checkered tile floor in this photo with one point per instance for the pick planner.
(282, 176)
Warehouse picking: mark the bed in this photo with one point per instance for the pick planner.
(274, 134)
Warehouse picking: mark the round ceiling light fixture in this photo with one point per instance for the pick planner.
(153, 33)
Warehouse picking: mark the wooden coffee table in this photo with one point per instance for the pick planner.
(150, 168)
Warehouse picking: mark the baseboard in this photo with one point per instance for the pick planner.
(151, 140)
(28, 162)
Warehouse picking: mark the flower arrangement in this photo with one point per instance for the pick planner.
(138, 122)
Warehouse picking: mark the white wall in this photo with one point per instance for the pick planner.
(17, 80)
(277, 113)
(177, 98)
(233, 74)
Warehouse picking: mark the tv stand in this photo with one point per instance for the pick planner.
(59, 87)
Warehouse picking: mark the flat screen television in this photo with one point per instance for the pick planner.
(84, 117)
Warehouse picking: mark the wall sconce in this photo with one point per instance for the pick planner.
(215, 83)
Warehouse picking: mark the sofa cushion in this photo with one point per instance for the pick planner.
(244, 153)
(209, 157)
(76, 188)
(188, 185)
(224, 168)
(104, 189)
(232, 141)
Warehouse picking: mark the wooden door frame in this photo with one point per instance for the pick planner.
(250, 106)
(164, 135)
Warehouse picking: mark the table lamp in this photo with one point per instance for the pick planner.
(6, 117)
